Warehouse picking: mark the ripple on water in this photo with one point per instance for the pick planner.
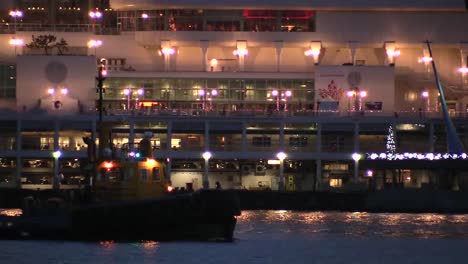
(356, 224)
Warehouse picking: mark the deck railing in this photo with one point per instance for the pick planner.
(8, 28)
(197, 113)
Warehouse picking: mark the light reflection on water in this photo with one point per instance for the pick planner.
(11, 212)
(355, 224)
(279, 237)
(352, 224)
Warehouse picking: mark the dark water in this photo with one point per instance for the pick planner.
(355, 225)
(280, 237)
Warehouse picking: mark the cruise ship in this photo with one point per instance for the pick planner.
(258, 95)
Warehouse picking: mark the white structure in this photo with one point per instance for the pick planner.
(318, 80)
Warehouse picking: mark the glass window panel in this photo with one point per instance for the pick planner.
(212, 83)
(185, 20)
(272, 84)
(287, 84)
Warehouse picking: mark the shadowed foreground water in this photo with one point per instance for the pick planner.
(280, 237)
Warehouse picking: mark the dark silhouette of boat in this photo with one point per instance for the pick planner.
(202, 215)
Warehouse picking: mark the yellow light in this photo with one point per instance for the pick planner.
(94, 43)
(214, 63)
(393, 53)
(273, 162)
(56, 154)
(312, 52)
(16, 42)
(11, 212)
(149, 104)
(150, 163)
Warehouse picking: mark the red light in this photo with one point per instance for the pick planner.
(169, 188)
(108, 165)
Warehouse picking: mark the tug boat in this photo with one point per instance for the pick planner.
(134, 202)
(201, 215)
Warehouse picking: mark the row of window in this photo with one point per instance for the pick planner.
(209, 89)
(178, 19)
(200, 94)
(209, 83)
(216, 20)
(293, 141)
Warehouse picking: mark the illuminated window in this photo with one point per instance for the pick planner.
(175, 143)
(336, 183)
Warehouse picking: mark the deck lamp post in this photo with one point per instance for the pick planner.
(463, 71)
(356, 157)
(202, 95)
(144, 17)
(94, 43)
(139, 93)
(15, 14)
(100, 82)
(206, 156)
(281, 156)
(287, 94)
(127, 92)
(56, 181)
(213, 94)
(15, 42)
(425, 96)
(350, 94)
(276, 94)
(94, 15)
(362, 94)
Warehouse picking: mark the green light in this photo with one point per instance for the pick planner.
(56, 154)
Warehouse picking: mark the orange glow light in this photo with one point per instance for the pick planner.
(393, 53)
(150, 163)
(108, 165)
(167, 51)
(16, 42)
(149, 104)
(312, 52)
(169, 188)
